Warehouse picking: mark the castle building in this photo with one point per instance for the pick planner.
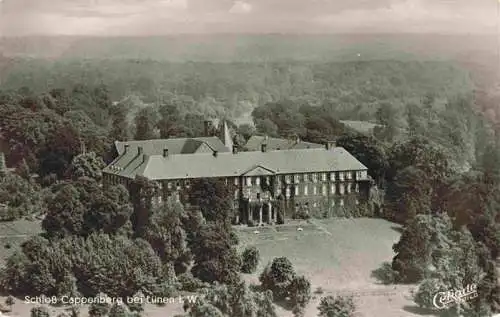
(268, 185)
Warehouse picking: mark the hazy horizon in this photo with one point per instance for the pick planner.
(170, 17)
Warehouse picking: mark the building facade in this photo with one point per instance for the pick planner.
(268, 186)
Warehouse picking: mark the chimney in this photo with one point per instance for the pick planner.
(165, 152)
(263, 147)
(207, 124)
(139, 150)
(125, 148)
(215, 153)
(235, 149)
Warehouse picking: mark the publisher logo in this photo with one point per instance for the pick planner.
(449, 298)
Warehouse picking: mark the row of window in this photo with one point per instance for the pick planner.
(308, 189)
(333, 203)
(307, 177)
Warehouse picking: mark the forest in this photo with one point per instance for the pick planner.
(58, 121)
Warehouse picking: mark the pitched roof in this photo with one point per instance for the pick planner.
(174, 145)
(255, 142)
(228, 164)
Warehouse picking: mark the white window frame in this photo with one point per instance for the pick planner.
(332, 176)
(306, 190)
(249, 181)
(323, 177)
(333, 189)
(236, 181)
(296, 190)
(257, 181)
(324, 190)
(315, 190)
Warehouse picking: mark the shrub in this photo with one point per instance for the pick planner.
(277, 277)
(300, 292)
(99, 309)
(118, 310)
(250, 260)
(336, 307)
(190, 283)
(40, 311)
(137, 305)
(9, 301)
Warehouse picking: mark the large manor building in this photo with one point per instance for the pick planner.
(268, 185)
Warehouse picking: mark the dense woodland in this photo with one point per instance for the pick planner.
(434, 162)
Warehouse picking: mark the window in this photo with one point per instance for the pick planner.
(332, 176)
(287, 179)
(236, 194)
(348, 188)
(305, 190)
(296, 178)
(333, 189)
(323, 190)
(236, 181)
(315, 190)
(315, 204)
(249, 181)
(315, 177)
(177, 197)
(268, 180)
(341, 201)
(323, 177)
(348, 175)
(357, 202)
(257, 181)
(342, 190)
(169, 185)
(341, 176)
(333, 202)
(288, 192)
(356, 188)
(296, 190)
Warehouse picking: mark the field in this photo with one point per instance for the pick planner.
(338, 255)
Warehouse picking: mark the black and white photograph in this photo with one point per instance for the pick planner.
(249, 158)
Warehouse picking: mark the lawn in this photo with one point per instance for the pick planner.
(338, 256)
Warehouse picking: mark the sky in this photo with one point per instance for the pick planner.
(157, 17)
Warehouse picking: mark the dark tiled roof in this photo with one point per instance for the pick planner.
(174, 146)
(255, 142)
(228, 164)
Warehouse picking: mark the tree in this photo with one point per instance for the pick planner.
(86, 165)
(145, 122)
(336, 307)
(20, 196)
(119, 123)
(415, 247)
(81, 208)
(233, 300)
(421, 153)
(165, 234)
(250, 260)
(142, 193)
(300, 294)
(386, 118)
(214, 200)
(170, 122)
(409, 194)
(59, 151)
(214, 256)
(368, 151)
(277, 277)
